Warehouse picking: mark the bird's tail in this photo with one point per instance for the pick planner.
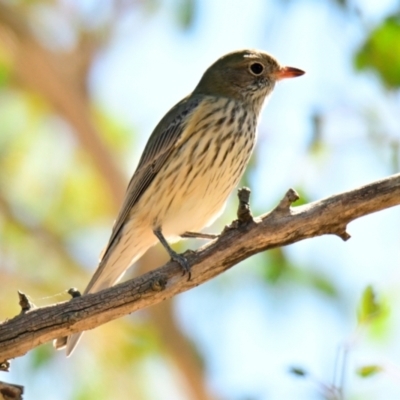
(103, 278)
(108, 273)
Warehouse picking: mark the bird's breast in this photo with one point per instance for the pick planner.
(202, 171)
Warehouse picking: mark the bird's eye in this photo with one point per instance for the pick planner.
(256, 68)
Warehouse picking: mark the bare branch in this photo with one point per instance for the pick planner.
(10, 391)
(283, 226)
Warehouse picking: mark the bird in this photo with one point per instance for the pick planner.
(191, 163)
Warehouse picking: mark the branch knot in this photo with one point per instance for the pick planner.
(25, 303)
(244, 213)
(284, 205)
(158, 284)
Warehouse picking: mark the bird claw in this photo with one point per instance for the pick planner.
(183, 262)
(180, 259)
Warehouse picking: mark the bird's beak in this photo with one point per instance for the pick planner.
(288, 72)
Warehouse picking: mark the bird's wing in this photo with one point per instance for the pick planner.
(162, 141)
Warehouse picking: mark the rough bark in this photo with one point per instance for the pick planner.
(245, 237)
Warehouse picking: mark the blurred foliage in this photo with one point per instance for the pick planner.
(381, 52)
(41, 358)
(373, 313)
(278, 268)
(5, 67)
(117, 136)
(386, 143)
(368, 370)
(369, 311)
(317, 145)
(370, 308)
(298, 371)
(185, 12)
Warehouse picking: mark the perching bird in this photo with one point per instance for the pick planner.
(191, 163)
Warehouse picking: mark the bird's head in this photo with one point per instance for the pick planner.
(248, 75)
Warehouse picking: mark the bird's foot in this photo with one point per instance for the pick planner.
(182, 261)
(179, 258)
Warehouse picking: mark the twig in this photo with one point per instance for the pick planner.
(10, 391)
(24, 302)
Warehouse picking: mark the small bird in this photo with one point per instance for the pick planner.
(193, 160)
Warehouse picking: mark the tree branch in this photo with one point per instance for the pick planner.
(245, 237)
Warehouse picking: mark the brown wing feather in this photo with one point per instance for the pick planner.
(156, 152)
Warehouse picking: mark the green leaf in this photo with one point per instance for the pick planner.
(369, 308)
(381, 52)
(41, 356)
(298, 371)
(323, 284)
(186, 13)
(368, 370)
(276, 265)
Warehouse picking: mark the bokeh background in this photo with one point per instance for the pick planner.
(83, 83)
